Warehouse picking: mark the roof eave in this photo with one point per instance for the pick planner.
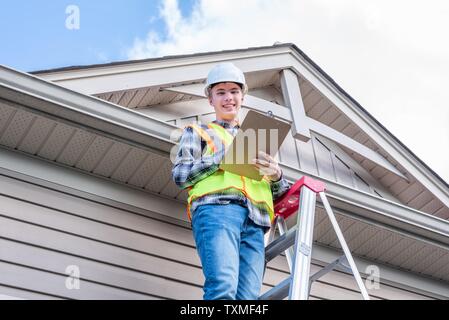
(93, 114)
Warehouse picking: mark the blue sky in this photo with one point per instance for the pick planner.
(393, 62)
(34, 34)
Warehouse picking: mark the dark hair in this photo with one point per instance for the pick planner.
(214, 84)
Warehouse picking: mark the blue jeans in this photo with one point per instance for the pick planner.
(231, 249)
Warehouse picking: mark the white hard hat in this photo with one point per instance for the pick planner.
(225, 72)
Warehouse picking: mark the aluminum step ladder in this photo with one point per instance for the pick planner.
(302, 195)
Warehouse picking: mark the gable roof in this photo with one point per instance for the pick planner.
(108, 126)
(291, 46)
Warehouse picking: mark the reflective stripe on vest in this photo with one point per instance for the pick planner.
(258, 192)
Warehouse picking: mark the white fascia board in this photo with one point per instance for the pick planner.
(370, 127)
(161, 73)
(307, 124)
(45, 98)
(157, 63)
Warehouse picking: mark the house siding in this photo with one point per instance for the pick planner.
(120, 254)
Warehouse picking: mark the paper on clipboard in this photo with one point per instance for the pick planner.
(257, 132)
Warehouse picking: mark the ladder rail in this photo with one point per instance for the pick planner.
(340, 263)
(282, 226)
(299, 290)
(344, 246)
(279, 222)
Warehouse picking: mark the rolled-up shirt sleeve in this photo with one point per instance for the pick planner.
(191, 165)
(278, 188)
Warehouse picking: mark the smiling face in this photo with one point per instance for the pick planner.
(226, 98)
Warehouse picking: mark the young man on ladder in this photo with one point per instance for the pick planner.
(229, 213)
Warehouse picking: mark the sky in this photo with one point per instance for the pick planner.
(390, 56)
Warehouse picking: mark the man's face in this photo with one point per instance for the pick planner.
(226, 98)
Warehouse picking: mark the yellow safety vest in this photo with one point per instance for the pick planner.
(258, 192)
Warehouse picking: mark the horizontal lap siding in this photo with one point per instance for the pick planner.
(120, 254)
(11, 293)
(49, 282)
(51, 251)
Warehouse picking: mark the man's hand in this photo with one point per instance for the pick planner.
(267, 166)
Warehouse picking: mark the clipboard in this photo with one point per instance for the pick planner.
(257, 132)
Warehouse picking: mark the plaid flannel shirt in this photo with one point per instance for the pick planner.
(192, 165)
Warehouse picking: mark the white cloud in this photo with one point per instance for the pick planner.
(100, 55)
(391, 56)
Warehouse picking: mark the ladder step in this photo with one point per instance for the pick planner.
(279, 292)
(280, 244)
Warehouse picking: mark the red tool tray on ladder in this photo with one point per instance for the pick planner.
(288, 204)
